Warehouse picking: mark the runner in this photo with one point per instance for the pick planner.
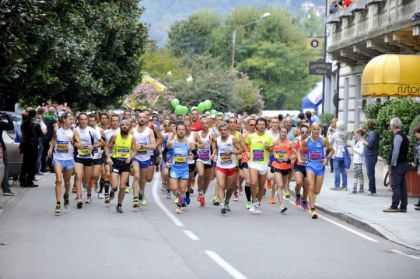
(123, 150)
(316, 163)
(300, 169)
(227, 147)
(204, 162)
(274, 132)
(169, 130)
(145, 141)
(243, 167)
(61, 149)
(284, 155)
(114, 130)
(179, 170)
(291, 135)
(233, 130)
(97, 154)
(261, 146)
(85, 143)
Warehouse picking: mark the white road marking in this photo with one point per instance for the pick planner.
(191, 235)
(225, 265)
(342, 226)
(404, 254)
(156, 197)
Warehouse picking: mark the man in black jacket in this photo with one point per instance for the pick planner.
(5, 126)
(31, 132)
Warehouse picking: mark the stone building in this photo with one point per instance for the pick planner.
(355, 35)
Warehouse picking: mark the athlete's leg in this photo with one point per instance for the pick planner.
(262, 178)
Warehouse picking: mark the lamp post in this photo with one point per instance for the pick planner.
(265, 15)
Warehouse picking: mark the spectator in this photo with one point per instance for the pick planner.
(417, 157)
(358, 147)
(40, 120)
(330, 132)
(371, 156)
(315, 118)
(339, 142)
(333, 7)
(398, 165)
(308, 115)
(31, 131)
(50, 120)
(5, 126)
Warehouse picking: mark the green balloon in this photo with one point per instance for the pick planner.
(184, 110)
(174, 103)
(208, 104)
(201, 107)
(178, 110)
(213, 112)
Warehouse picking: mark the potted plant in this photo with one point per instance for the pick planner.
(407, 110)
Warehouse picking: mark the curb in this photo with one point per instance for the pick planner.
(365, 226)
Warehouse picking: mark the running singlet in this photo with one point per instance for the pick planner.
(180, 153)
(303, 151)
(205, 153)
(97, 152)
(142, 138)
(190, 138)
(108, 135)
(225, 159)
(63, 149)
(315, 151)
(87, 136)
(282, 152)
(122, 147)
(259, 154)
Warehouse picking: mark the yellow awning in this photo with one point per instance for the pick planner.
(392, 75)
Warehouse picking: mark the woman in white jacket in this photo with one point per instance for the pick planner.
(339, 142)
(358, 148)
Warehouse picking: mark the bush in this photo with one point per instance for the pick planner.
(407, 110)
(326, 118)
(371, 110)
(412, 137)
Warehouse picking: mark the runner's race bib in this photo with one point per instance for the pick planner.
(204, 155)
(225, 159)
(281, 156)
(258, 155)
(62, 146)
(315, 156)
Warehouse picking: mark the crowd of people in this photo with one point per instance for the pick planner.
(102, 151)
(336, 5)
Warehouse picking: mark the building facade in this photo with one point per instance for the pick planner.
(357, 34)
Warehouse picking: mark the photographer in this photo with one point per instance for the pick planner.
(5, 126)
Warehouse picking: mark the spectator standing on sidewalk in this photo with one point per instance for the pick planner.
(339, 142)
(358, 148)
(50, 120)
(5, 126)
(417, 156)
(40, 120)
(398, 165)
(371, 156)
(330, 132)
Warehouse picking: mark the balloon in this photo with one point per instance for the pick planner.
(174, 103)
(201, 107)
(208, 104)
(178, 110)
(213, 112)
(184, 110)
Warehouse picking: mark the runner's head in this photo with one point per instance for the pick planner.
(219, 118)
(166, 126)
(125, 127)
(104, 119)
(283, 133)
(67, 119)
(187, 124)
(261, 124)
(315, 129)
(275, 123)
(304, 131)
(288, 123)
(82, 119)
(223, 129)
(204, 124)
(115, 121)
(194, 115)
(232, 123)
(127, 114)
(92, 120)
(141, 119)
(180, 130)
(172, 125)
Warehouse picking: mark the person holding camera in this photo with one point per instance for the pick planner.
(5, 126)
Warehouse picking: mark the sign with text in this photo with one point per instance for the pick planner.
(320, 68)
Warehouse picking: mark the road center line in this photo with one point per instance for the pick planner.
(191, 235)
(156, 197)
(404, 254)
(225, 265)
(342, 226)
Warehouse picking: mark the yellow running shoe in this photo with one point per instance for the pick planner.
(314, 214)
(178, 210)
(143, 201)
(272, 201)
(176, 200)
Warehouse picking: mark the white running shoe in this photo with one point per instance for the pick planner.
(100, 196)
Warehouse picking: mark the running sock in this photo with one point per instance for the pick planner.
(312, 208)
(58, 202)
(119, 205)
(101, 185)
(248, 193)
(106, 186)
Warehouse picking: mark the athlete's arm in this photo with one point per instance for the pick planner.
(78, 142)
(330, 150)
(107, 148)
(293, 148)
(238, 147)
(198, 140)
(101, 141)
(213, 147)
(159, 139)
(52, 143)
(302, 144)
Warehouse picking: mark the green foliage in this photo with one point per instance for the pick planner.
(326, 119)
(80, 52)
(407, 110)
(412, 136)
(371, 110)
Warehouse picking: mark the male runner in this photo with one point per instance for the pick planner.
(114, 130)
(274, 132)
(243, 167)
(97, 154)
(233, 130)
(300, 169)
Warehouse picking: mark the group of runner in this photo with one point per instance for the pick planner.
(265, 153)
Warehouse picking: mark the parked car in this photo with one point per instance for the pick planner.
(11, 139)
(1, 164)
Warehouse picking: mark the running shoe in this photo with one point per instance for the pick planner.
(369, 193)
(57, 210)
(314, 214)
(178, 210)
(287, 194)
(258, 210)
(107, 199)
(253, 209)
(353, 192)
(66, 200)
(88, 199)
(241, 189)
(112, 195)
(227, 207)
(135, 202)
(199, 196)
(79, 203)
(298, 201)
(269, 186)
(203, 201)
(100, 196)
(187, 198)
(119, 209)
(168, 195)
(305, 205)
(216, 201)
(127, 189)
(272, 200)
(143, 201)
(361, 191)
(176, 200)
(191, 191)
(223, 209)
(283, 209)
(248, 205)
(235, 196)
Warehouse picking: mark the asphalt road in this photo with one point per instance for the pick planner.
(153, 242)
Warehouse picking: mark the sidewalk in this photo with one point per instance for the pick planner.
(365, 212)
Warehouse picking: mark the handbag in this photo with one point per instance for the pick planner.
(347, 158)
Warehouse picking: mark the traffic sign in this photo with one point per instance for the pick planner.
(320, 68)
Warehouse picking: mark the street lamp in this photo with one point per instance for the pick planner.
(265, 15)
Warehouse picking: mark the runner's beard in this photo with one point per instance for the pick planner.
(124, 132)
